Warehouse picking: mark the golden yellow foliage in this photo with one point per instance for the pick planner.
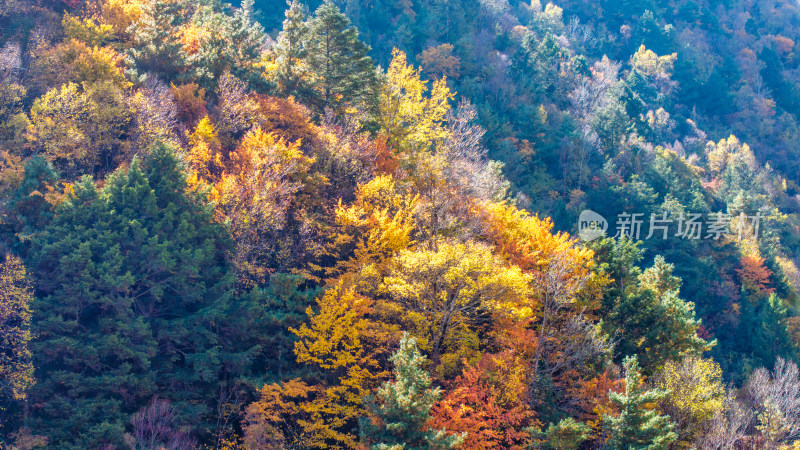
(86, 30)
(75, 61)
(378, 225)
(256, 189)
(652, 65)
(452, 286)
(334, 342)
(530, 243)
(696, 393)
(121, 14)
(16, 296)
(408, 117)
(204, 157)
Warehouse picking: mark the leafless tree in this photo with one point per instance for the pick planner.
(351, 156)
(556, 286)
(236, 111)
(591, 95)
(466, 156)
(10, 61)
(230, 409)
(581, 34)
(154, 428)
(566, 340)
(728, 427)
(155, 114)
(780, 391)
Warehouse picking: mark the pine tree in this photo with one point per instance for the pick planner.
(762, 330)
(156, 45)
(343, 74)
(638, 427)
(291, 70)
(134, 299)
(401, 408)
(284, 304)
(645, 309)
(28, 206)
(222, 42)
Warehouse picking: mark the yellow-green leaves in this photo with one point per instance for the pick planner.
(16, 369)
(410, 118)
(453, 286)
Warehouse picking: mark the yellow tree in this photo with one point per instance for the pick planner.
(408, 117)
(453, 287)
(259, 184)
(563, 286)
(336, 344)
(650, 64)
(376, 226)
(16, 368)
(81, 129)
(204, 155)
(696, 394)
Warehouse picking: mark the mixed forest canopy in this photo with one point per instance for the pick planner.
(360, 224)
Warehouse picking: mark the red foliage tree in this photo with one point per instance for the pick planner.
(488, 401)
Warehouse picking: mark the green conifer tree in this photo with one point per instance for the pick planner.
(292, 72)
(135, 299)
(156, 46)
(343, 74)
(638, 427)
(402, 407)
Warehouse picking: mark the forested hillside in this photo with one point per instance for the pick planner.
(399, 224)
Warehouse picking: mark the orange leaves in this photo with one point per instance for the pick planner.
(75, 61)
(121, 14)
(192, 38)
(559, 266)
(282, 415)
(254, 186)
(592, 397)
(489, 403)
(754, 276)
(439, 61)
(386, 162)
(529, 242)
(285, 117)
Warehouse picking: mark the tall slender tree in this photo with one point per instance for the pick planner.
(16, 368)
(401, 409)
(343, 73)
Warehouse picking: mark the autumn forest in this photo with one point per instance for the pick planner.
(399, 224)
